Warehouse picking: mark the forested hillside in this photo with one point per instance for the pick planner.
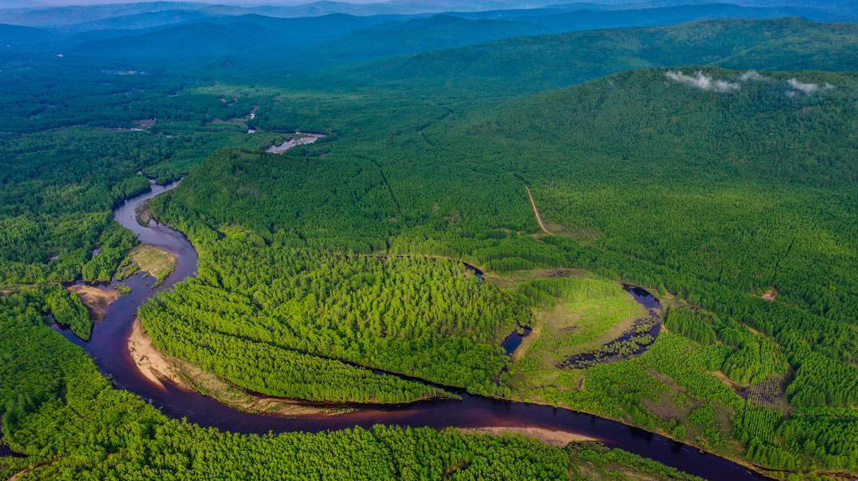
(427, 318)
(662, 159)
(641, 178)
(538, 63)
(226, 43)
(65, 416)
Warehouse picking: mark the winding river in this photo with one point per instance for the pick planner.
(109, 347)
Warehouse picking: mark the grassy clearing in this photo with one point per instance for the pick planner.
(156, 261)
(669, 389)
(571, 315)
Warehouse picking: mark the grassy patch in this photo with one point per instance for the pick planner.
(571, 315)
(156, 261)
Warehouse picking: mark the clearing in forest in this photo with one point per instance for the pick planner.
(571, 315)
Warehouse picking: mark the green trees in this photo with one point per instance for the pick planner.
(718, 197)
(588, 459)
(750, 359)
(254, 310)
(69, 311)
(693, 324)
(71, 423)
(727, 207)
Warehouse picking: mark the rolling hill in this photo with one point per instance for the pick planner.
(536, 63)
(226, 44)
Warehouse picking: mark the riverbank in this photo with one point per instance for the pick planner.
(159, 368)
(96, 298)
(547, 436)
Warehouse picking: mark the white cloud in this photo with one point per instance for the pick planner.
(752, 75)
(703, 82)
(807, 89)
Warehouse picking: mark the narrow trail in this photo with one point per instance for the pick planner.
(536, 211)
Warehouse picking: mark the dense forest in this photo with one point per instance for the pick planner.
(761, 219)
(253, 309)
(65, 416)
(346, 271)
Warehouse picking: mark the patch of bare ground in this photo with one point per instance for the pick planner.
(770, 294)
(754, 331)
(96, 299)
(547, 436)
(737, 388)
(20, 474)
(144, 215)
(151, 363)
(24, 472)
(665, 408)
(770, 393)
(159, 368)
(298, 139)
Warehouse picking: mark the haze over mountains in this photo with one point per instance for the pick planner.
(71, 13)
(293, 38)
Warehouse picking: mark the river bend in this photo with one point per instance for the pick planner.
(109, 348)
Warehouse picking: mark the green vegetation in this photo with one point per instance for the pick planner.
(571, 316)
(579, 314)
(762, 217)
(334, 260)
(256, 308)
(594, 461)
(65, 416)
(157, 262)
(69, 154)
(69, 311)
(534, 64)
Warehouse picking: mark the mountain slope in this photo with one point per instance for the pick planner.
(250, 36)
(12, 35)
(536, 63)
(46, 16)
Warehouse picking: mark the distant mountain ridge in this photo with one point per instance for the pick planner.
(41, 16)
(533, 64)
(188, 39)
(57, 17)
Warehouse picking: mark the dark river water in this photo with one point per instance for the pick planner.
(109, 348)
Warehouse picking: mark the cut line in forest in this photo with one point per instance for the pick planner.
(536, 211)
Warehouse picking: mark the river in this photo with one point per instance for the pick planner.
(109, 347)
